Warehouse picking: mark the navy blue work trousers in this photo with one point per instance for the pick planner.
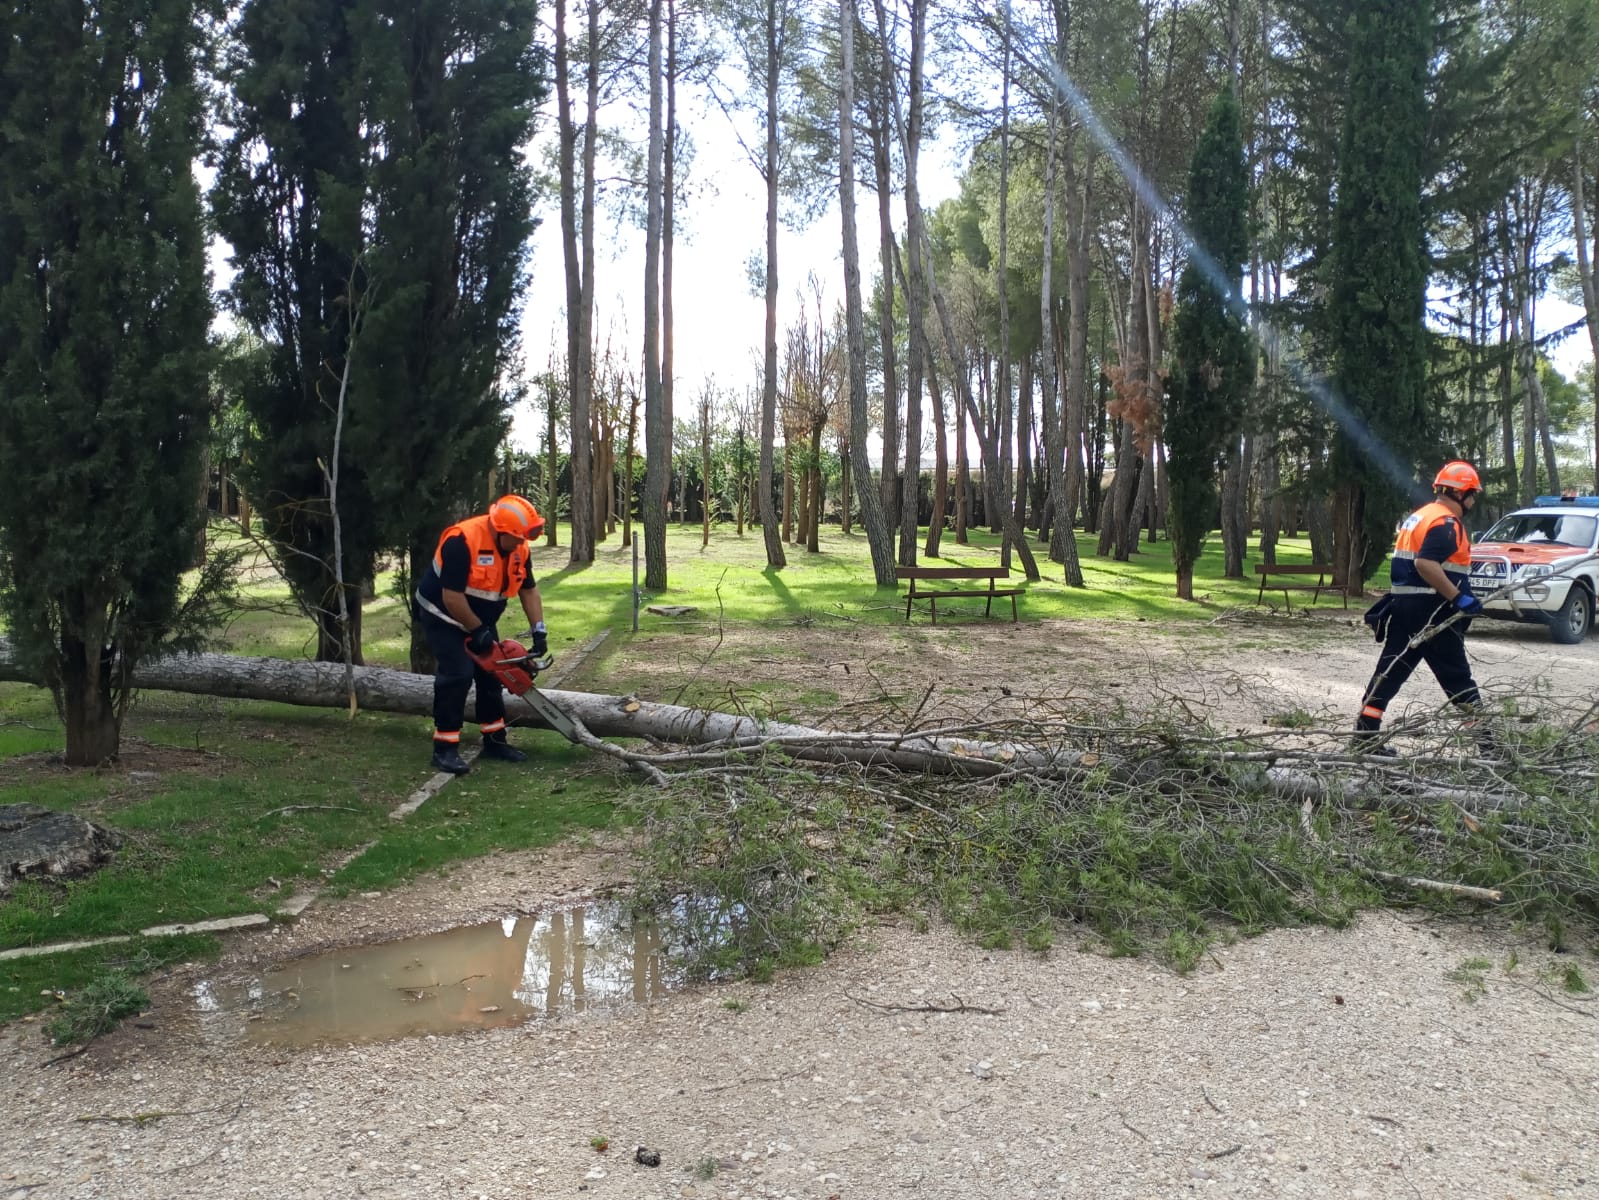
(455, 676)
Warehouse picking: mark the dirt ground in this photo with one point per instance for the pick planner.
(1355, 1063)
(1246, 666)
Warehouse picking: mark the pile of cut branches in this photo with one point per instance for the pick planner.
(1134, 832)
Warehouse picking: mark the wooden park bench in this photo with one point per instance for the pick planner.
(933, 595)
(1320, 570)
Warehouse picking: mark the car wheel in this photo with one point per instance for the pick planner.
(1570, 624)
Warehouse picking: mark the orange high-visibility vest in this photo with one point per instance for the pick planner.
(1407, 581)
(489, 577)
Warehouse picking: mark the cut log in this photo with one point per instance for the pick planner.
(379, 689)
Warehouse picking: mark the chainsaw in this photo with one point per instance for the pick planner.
(516, 668)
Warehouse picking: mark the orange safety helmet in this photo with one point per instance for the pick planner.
(515, 516)
(1458, 476)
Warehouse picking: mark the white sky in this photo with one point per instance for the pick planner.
(719, 327)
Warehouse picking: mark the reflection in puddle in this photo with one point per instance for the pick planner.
(481, 977)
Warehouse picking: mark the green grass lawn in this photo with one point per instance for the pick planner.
(730, 577)
(230, 806)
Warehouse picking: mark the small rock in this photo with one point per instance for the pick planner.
(983, 1070)
(646, 1157)
(595, 1173)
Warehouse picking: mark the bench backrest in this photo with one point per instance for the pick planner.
(1292, 569)
(950, 572)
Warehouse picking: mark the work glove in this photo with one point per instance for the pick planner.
(1469, 604)
(481, 639)
(541, 641)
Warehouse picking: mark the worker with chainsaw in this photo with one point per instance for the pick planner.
(480, 564)
(1431, 571)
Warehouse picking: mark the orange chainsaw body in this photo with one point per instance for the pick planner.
(511, 662)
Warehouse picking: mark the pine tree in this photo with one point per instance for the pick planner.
(453, 87)
(103, 352)
(1215, 365)
(290, 198)
(1379, 279)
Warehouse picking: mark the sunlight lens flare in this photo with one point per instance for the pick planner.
(1319, 390)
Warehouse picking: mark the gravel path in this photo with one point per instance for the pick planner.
(1356, 1063)
(1302, 1063)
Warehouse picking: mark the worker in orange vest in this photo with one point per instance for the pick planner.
(1431, 572)
(479, 565)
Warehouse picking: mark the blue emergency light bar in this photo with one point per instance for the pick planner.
(1557, 502)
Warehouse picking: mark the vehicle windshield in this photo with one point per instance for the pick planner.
(1558, 529)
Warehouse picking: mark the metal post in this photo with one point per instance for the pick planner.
(635, 585)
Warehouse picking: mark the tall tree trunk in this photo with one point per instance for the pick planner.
(576, 358)
(1537, 406)
(1232, 503)
(917, 270)
(1024, 453)
(802, 497)
(705, 467)
(845, 466)
(1585, 272)
(788, 487)
(245, 512)
(657, 468)
(1118, 525)
(668, 221)
(1058, 444)
(1507, 402)
(552, 473)
(880, 104)
(818, 492)
(935, 526)
(1003, 410)
(1529, 417)
(93, 726)
(769, 527)
(878, 538)
(963, 479)
(990, 464)
(1079, 236)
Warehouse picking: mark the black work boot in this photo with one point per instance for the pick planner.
(447, 757)
(496, 746)
(1368, 742)
(1482, 729)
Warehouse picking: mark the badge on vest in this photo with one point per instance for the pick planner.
(485, 560)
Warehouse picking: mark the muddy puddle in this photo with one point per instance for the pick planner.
(582, 959)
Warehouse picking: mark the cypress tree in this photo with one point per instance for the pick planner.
(454, 85)
(290, 198)
(104, 312)
(378, 203)
(1214, 362)
(1379, 280)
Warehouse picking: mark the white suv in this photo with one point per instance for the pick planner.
(1534, 542)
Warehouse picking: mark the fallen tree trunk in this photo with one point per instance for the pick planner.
(379, 689)
(717, 738)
